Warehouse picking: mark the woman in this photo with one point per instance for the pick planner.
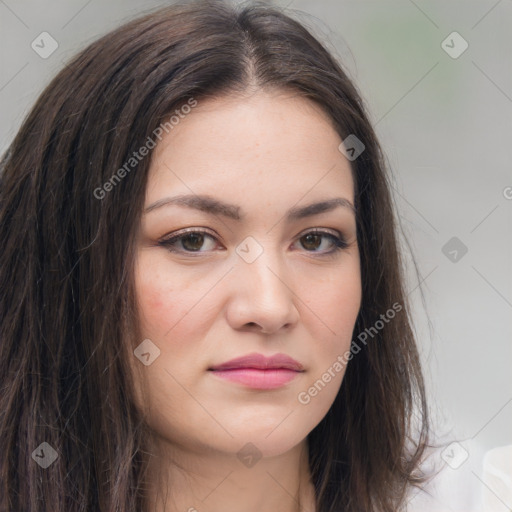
(203, 305)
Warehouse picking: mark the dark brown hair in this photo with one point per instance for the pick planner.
(67, 307)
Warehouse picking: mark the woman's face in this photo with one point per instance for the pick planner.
(252, 282)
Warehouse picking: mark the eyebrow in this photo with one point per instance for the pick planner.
(214, 206)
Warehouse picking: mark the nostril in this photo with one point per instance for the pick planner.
(252, 325)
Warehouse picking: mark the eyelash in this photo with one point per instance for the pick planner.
(339, 242)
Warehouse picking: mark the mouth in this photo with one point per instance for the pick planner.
(257, 371)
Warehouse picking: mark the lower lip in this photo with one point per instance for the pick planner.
(258, 379)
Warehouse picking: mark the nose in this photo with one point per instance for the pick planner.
(263, 298)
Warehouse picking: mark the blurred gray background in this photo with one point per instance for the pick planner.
(443, 113)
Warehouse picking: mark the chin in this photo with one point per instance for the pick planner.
(258, 444)
(269, 437)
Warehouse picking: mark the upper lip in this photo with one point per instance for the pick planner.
(260, 362)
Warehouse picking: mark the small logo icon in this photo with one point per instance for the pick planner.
(147, 352)
(249, 249)
(351, 147)
(249, 455)
(455, 455)
(44, 45)
(454, 45)
(44, 455)
(454, 249)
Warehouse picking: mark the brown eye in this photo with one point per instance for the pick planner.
(314, 242)
(311, 241)
(192, 241)
(188, 242)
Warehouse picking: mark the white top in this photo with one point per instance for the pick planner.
(469, 479)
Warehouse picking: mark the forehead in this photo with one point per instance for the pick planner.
(267, 145)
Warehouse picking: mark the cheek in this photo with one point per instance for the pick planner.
(153, 296)
(336, 301)
(156, 288)
(172, 313)
(336, 305)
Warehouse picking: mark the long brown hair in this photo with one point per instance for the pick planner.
(67, 307)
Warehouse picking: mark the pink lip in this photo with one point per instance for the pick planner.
(259, 372)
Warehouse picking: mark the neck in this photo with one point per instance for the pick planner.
(188, 481)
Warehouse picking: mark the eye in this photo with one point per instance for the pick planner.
(189, 241)
(200, 241)
(314, 240)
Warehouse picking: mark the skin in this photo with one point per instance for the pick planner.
(266, 152)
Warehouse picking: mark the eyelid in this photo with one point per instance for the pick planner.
(184, 231)
(321, 230)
